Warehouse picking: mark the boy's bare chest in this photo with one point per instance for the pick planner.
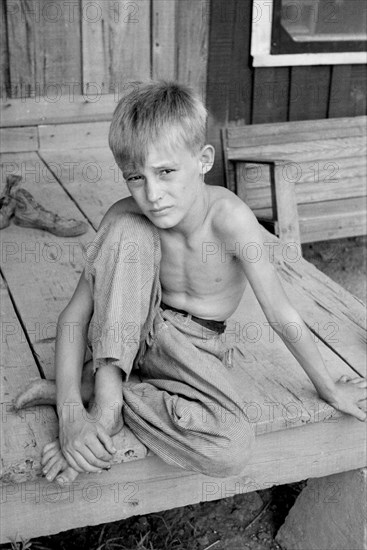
(199, 267)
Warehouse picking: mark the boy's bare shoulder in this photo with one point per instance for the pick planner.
(231, 217)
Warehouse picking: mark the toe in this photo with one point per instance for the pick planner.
(67, 477)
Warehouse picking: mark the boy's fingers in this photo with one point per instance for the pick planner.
(358, 413)
(107, 441)
(73, 463)
(100, 453)
(88, 461)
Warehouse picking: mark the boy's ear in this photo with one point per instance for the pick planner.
(207, 158)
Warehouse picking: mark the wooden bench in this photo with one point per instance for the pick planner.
(298, 435)
(308, 178)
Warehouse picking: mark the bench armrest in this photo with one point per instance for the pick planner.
(283, 197)
(258, 161)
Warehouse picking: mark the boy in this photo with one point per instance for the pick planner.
(148, 298)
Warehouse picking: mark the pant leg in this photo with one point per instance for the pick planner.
(186, 409)
(122, 269)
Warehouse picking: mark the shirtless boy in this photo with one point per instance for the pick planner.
(146, 272)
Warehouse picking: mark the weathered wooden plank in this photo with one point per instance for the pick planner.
(259, 195)
(114, 52)
(21, 40)
(335, 315)
(317, 150)
(4, 53)
(220, 51)
(164, 56)
(70, 108)
(150, 485)
(44, 48)
(299, 130)
(43, 287)
(271, 89)
(309, 92)
(334, 226)
(192, 44)
(91, 178)
(23, 434)
(240, 85)
(14, 140)
(286, 206)
(58, 64)
(324, 173)
(74, 136)
(348, 91)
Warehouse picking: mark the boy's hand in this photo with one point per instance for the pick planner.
(350, 396)
(85, 443)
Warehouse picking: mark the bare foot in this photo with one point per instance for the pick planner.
(55, 466)
(43, 392)
(39, 392)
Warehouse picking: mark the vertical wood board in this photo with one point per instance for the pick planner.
(192, 22)
(271, 94)
(309, 92)
(116, 44)
(4, 54)
(164, 54)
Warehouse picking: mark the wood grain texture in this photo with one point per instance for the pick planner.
(46, 283)
(271, 91)
(73, 136)
(304, 130)
(240, 85)
(220, 52)
(348, 91)
(18, 139)
(149, 485)
(23, 434)
(44, 48)
(116, 45)
(69, 109)
(4, 54)
(164, 50)
(192, 44)
(22, 46)
(106, 185)
(309, 92)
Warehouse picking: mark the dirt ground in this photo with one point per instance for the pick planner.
(242, 522)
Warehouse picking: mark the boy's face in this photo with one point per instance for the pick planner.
(168, 186)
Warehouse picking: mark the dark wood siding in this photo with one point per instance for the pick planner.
(238, 93)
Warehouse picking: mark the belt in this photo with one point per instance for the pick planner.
(216, 326)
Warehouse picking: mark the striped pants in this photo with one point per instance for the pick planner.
(185, 407)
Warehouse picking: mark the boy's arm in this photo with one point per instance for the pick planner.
(83, 442)
(343, 395)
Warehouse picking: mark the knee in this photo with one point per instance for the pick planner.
(231, 458)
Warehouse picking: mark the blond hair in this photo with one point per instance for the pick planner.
(152, 112)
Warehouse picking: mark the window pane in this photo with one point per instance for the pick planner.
(324, 20)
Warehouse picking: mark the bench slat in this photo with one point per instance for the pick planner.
(303, 151)
(344, 168)
(257, 134)
(260, 197)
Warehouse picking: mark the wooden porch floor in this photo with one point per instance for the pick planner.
(299, 436)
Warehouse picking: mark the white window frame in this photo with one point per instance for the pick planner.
(262, 17)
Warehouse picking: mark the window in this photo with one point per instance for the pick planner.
(309, 32)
